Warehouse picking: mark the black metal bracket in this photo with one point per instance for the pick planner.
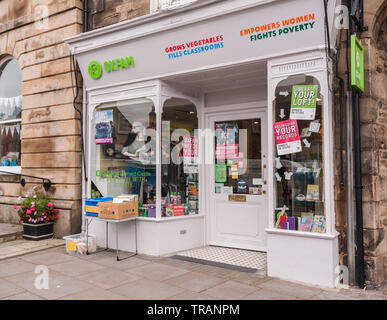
(358, 5)
(46, 182)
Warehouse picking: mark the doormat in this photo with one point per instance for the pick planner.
(228, 258)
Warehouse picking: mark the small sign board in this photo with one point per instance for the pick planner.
(357, 64)
(237, 197)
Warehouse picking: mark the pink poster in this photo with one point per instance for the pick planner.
(190, 149)
(287, 137)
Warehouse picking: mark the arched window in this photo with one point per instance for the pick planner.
(10, 114)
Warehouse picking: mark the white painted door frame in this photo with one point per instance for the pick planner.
(259, 204)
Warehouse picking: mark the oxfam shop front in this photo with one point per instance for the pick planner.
(216, 123)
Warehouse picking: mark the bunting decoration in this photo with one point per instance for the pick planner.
(5, 128)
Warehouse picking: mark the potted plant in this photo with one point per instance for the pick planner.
(37, 214)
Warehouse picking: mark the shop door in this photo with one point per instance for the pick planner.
(237, 199)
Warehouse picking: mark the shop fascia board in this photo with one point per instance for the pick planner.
(158, 22)
(119, 85)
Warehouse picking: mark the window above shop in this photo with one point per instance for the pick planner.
(10, 114)
(157, 5)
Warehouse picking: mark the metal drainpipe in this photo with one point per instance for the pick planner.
(85, 15)
(358, 180)
(84, 120)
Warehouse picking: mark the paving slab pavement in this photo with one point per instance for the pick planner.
(101, 277)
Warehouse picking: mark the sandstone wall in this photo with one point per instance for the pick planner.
(106, 12)
(51, 140)
(373, 113)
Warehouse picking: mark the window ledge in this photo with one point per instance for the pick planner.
(166, 219)
(10, 170)
(304, 234)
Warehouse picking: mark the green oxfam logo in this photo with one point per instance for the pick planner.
(95, 69)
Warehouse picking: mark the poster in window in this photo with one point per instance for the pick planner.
(303, 105)
(287, 137)
(104, 126)
(220, 172)
(220, 134)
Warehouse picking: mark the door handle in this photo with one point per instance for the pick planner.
(263, 174)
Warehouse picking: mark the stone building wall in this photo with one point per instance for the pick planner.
(106, 12)
(373, 116)
(51, 140)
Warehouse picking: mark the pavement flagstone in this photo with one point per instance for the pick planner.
(101, 277)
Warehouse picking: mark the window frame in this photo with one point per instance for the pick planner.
(10, 169)
(156, 6)
(312, 65)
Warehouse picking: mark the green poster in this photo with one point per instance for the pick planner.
(303, 105)
(357, 64)
(220, 172)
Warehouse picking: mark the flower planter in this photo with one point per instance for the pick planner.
(37, 232)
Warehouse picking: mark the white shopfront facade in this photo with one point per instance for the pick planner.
(250, 50)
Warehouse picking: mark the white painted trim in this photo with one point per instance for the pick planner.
(11, 121)
(167, 219)
(10, 169)
(302, 234)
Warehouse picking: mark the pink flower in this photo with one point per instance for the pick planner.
(34, 196)
(32, 209)
(19, 198)
(20, 207)
(33, 204)
(14, 206)
(50, 204)
(29, 211)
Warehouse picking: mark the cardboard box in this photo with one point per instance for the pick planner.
(117, 211)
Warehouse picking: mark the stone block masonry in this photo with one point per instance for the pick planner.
(51, 134)
(373, 115)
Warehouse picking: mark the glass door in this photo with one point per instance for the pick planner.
(238, 199)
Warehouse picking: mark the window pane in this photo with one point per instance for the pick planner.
(238, 155)
(124, 152)
(299, 155)
(180, 170)
(10, 90)
(10, 109)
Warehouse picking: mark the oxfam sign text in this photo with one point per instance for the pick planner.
(95, 68)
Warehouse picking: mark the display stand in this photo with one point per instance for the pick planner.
(89, 219)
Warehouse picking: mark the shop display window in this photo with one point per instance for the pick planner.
(179, 168)
(123, 151)
(298, 147)
(238, 154)
(10, 113)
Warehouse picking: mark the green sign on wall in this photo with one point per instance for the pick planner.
(357, 64)
(95, 68)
